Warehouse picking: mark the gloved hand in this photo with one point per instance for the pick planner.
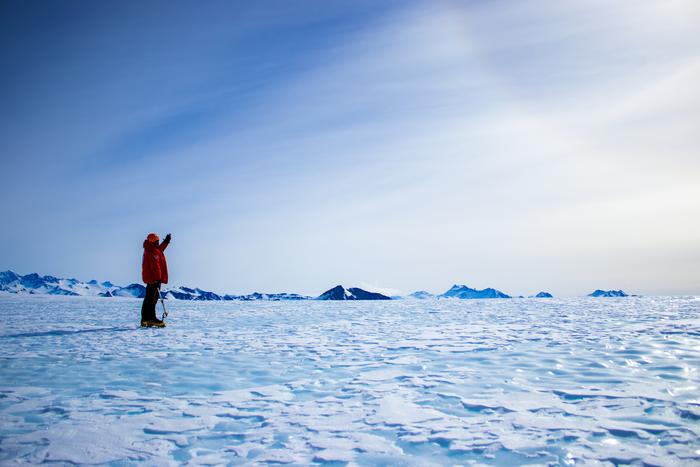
(168, 237)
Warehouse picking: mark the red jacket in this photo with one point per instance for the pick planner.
(154, 268)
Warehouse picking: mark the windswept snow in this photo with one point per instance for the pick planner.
(360, 383)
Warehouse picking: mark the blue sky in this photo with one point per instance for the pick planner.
(292, 146)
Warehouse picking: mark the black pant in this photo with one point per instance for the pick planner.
(148, 308)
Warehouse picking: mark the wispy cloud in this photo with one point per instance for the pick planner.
(522, 145)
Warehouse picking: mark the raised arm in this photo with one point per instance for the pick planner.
(165, 243)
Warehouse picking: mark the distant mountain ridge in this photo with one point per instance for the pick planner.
(464, 292)
(421, 295)
(353, 293)
(608, 293)
(35, 284)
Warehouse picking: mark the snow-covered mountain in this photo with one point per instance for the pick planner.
(186, 293)
(49, 285)
(608, 293)
(274, 296)
(353, 293)
(421, 295)
(464, 292)
(34, 284)
(131, 290)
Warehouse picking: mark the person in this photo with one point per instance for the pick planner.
(154, 272)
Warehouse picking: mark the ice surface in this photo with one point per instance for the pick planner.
(504, 382)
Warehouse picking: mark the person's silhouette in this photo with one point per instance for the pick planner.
(154, 271)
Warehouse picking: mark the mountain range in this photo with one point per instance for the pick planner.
(35, 284)
(608, 293)
(464, 292)
(353, 293)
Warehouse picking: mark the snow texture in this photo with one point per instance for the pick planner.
(450, 382)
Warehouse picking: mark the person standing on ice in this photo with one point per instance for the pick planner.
(154, 271)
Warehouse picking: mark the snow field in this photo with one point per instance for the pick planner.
(435, 382)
